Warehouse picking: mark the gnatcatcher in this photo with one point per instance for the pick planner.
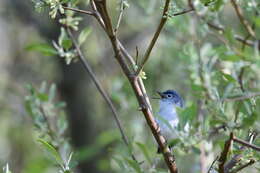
(168, 119)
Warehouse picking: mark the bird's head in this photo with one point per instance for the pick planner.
(171, 96)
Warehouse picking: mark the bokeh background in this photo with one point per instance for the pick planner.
(190, 57)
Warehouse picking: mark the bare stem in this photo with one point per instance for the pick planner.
(247, 144)
(248, 96)
(183, 12)
(155, 37)
(212, 164)
(120, 15)
(100, 88)
(78, 10)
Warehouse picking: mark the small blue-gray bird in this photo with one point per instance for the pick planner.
(167, 118)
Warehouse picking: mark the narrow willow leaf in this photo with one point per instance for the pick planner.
(51, 150)
(145, 151)
(83, 35)
(134, 165)
(43, 48)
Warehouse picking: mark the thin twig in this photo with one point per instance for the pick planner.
(221, 29)
(183, 12)
(237, 37)
(100, 88)
(247, 96)
(79, 11)
(155, 37)
(251, 162)
(122, 7)
(223, 157)
(242, 19)
(212, 164)
(45, 117)
(247, 144)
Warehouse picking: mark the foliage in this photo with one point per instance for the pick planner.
(50, 123)
(202, 55)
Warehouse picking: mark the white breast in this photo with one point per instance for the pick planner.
(167, 113)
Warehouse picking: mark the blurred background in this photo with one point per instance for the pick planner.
(201, 63)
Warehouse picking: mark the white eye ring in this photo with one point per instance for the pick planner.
(169, 95)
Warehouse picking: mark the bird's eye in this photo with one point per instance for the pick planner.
(169, 95)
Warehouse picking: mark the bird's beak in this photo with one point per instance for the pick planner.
(161, 94)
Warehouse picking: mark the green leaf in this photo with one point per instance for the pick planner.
(250, 120)
(230, 57)
(134, 165)
(174, 142)
(83, 35)
(66, 44)
(187, 114)
(51, 150)
(43, 48)
(229, 34)
(145, 151)
(43, 97)
(119, 162)
(228, 77)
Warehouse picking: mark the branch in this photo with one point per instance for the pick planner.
(122, 7)
(223, 157)
(135, 83)
(99, 87)
(237, 158)
(155, 37)
(221, 29)
(251, 162)
(248, 96)
(212, 164)
(237, 37)
(183, 12)
(79, 11)
(247, 144)
(242, 19)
